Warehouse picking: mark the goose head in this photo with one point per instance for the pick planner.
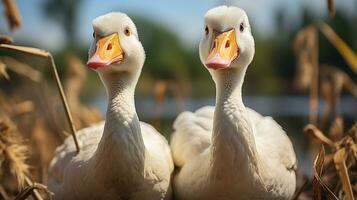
(227, 41)
(115, 48)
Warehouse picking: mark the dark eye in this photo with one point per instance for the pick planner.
(93, 35)
(206, 30)
(241, 27)
(127, 32)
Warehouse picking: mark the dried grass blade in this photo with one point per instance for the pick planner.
(317, 183)
(30, 50)
(21, 68)
(43, 53)
(35, 194)
(64, 103)
(340, 163)
(318, 166)
(4, 39)
(336, 129)
(353, 131)
(25, 193)
(31, 190)
(331, 7)
(314, 87)
(23, 107)
(307, 54)
(304, 69)
(347, 53)
(313, 130)
(3, 71)
(3, 193)
(13, 150)
(12, 14)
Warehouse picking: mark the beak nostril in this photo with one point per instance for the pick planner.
(110, 46)
(228, 44)
(214, 45)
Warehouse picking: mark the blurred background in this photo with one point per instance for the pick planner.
(173, 78)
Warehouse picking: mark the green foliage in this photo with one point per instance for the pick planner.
(64, 12)
(165, 57)
(270, 73)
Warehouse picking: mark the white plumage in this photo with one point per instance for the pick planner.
(121, 158)
(230, 151)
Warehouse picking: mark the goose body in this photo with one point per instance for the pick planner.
(230, 151)
(121, 158)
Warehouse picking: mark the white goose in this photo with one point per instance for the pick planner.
(230, 151)
(122, 158)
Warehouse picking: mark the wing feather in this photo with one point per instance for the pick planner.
(192, 134)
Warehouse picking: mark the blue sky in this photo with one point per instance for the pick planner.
(183, 17)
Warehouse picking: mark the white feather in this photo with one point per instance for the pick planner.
(230, 151)
(121, 158)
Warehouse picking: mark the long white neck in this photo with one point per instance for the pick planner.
(121, 147)
(233, 142)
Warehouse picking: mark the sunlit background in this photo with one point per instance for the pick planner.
(173, 79)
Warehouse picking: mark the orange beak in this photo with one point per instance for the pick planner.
(107, 52)
(224, 50)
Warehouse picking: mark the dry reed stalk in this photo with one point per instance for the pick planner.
(302, 53)
(4, 103)
(15, 109)
(314, 131)
(3, 193)
(333, 81)
(340, 162)
(47, 55)
(4, 39)
(178, 96)
(336, 129)
(331, 7)
(12, 14)
(347, 53)
(29, 50)
(314, 88)
(21, 68)
(35, 194)
(13, 152)
(306, 51)
(44, 145)
(49, 105)
(330, 93)
(344, 155)
(3, 71)
(22, 107)
(317, 184)
(160, 90)
(318, 164)
(32, 189)
(75, 77)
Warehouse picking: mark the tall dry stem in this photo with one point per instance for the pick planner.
(47, 55)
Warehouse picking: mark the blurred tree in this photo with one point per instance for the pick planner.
(166, 61)
(344, 27)
(165, 57)
(64, 12)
